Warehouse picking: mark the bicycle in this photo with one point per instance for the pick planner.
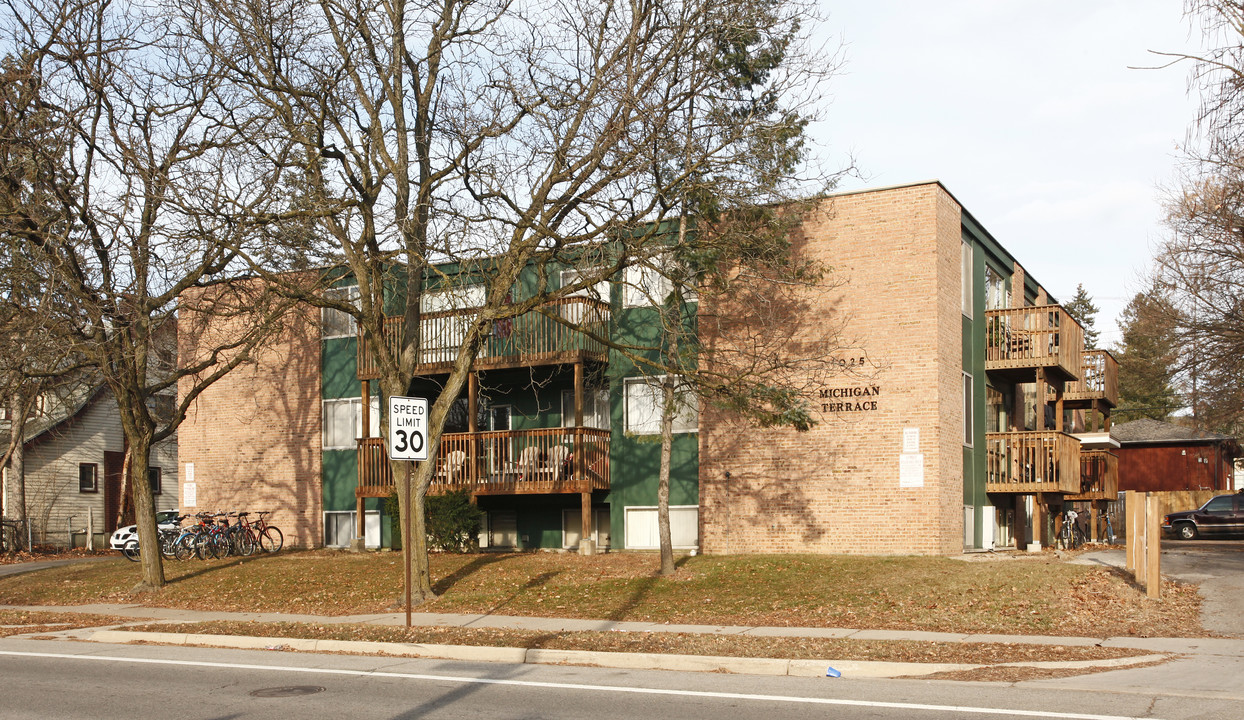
(168, 534)
(1108, 536)
(1071, 536)
(242, 538)
(270, 538)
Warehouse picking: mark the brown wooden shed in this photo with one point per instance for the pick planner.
(1155, 456)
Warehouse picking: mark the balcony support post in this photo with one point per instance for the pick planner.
(359, 542)
(473, 427)
(1021, 523)
(586, 545)
(1040, 520)
(1041, 400)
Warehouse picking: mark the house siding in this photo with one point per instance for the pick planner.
(59, 513)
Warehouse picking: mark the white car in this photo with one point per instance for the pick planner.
(164, 518)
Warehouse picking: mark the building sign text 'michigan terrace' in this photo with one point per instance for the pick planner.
(850, 399)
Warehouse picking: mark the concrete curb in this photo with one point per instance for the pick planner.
(622, 661)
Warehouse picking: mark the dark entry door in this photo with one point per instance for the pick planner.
(114, 503)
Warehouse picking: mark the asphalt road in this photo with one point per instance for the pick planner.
(61, 679)
(1218, 567)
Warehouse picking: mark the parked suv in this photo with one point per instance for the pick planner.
(1222, 515)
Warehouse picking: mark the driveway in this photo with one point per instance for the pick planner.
(1216, 566)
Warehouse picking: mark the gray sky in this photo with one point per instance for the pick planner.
(1027, 112)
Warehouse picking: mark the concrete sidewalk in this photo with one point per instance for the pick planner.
(1158, 648)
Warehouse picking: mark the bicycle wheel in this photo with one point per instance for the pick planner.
(271, 540)
(130, 551)
(220, 546)
(168, 545)
(183, 548)
(247, 543)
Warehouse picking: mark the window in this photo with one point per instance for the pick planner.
(577, 312)
(644, 286)
(339, 528)
(88, 477)
(442, 336)
(965, 260)
(343, 422)
(997, 296)
(643, 407)
(155, 477)
(599, 291)
(969, 419)
(642, 532)
(595, 408)
(335, 323)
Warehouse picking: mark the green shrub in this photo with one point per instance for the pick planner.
(453, 521)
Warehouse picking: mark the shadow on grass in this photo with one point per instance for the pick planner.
(479, 563)
(206, 569)
(532, 584)
(641, 590)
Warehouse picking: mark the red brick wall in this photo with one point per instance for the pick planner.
(893, 298)
(254, 436)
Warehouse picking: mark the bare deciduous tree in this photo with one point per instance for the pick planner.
(493, 135)
(143, 190)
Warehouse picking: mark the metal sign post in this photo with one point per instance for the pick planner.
(408, 432)
(406, 552)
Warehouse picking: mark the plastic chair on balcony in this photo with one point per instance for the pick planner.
(452, 468)
(557, 462)
(529, 463)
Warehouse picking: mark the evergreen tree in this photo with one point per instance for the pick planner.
(1084, 311)
(1147, 358)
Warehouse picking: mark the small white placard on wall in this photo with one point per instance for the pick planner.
(911, 470)
(189, 476)
(911, 440)
(189, 494)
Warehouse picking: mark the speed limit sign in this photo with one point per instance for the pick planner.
(408, 428)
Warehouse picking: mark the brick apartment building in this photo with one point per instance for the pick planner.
(949, 426)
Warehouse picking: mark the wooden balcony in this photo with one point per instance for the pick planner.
(1019, 340)
(1099, 383)
(1032, 462)
(1099, 476)
(504, 462)
(553, 334)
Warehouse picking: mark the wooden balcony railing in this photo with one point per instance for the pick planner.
(1031, 462)
(1099, 476)
(1033, 337)
(539, 337)
(1100, 380)
(503, 462)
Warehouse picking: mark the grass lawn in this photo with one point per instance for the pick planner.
(1040, 594)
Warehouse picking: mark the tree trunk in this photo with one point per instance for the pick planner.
(663, 479)
(144, 514)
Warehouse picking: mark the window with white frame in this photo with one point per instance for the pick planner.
(650, 284)
(442, 336)
(997, 295)
(596, 291)
(335, 323)
(340, 527)
(643, 398)
(642, 531)
(965, 258)
(343, 422)
(969, 417)
(595, 408)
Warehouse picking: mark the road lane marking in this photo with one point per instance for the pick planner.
(592, 688)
